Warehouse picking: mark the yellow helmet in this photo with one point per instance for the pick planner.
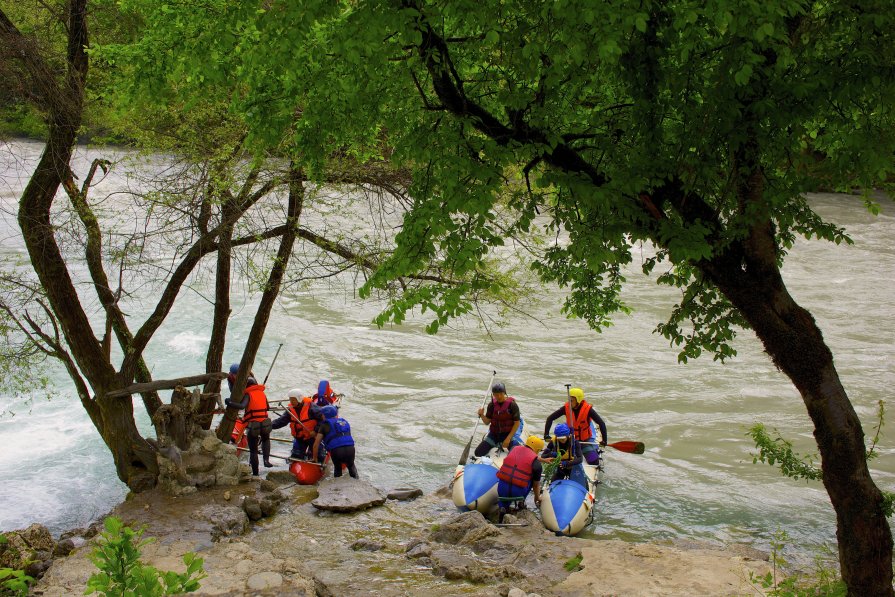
(577, 394)
(535, 443)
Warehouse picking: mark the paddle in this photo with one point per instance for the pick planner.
(465, 455)
(285, 457)
(271, 364)
(625, 446)
(628, 446)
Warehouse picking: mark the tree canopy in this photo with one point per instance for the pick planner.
(696, 127)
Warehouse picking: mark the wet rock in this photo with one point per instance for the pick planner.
(420, 550)
(63, 548)
(516, 592)
(210, 444)
(366, 545)
(225, 480)
(268, 486)
(456, 530)
(269, 505)
(141, 481)
(280, 477)
(404, 493)
(252, 508)
(79, 532)
(226, 521)
(344, 494)
(264, 580)
(37, 568)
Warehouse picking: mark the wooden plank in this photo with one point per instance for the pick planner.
(167, 384)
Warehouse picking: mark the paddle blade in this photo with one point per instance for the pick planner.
(465, 455)
(630, 447)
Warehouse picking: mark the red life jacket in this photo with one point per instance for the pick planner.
(257, 408)
(306, 431)
(582, 421)
(516, 467)
(501, 419)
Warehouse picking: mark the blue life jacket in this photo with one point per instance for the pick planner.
(339, 434)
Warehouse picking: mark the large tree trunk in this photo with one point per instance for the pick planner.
(795, 344)
(215, 355)
(134, 461)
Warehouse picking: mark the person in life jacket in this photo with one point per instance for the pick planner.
(335, 433)
(582, 413)
(325, 394)
(301, 415)
(502, 415)
(258, 424)
(520, 473)
(563, 447)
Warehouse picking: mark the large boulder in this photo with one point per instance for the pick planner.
(29, 549)
(345, 494)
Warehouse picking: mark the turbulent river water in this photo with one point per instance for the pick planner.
(411, 397)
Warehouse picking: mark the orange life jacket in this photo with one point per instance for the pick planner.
(516, 467)
(501, 419)
(582, 421)
(302, 424)
(257, 408)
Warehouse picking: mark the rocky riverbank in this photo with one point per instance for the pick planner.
(418, 547)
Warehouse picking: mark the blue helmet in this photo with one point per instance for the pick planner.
(329, 412)
(234, 368)
(562, 430)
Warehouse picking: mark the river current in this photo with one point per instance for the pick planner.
(411, 398)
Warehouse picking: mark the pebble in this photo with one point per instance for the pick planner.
(264, 580)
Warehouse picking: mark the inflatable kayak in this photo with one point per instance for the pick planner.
(475, 485)
(567, 505)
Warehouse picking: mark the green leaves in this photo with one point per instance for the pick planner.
(779, 452)
(122, 574)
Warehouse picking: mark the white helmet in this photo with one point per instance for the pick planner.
(294, 393)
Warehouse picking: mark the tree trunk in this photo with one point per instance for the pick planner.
(268, 298)
(795, 344)
(135, 460)
(214, 357)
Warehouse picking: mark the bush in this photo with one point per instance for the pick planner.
(121, 573)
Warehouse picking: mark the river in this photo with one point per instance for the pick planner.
(411, 397)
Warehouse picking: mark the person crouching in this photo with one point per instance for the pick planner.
(520, 473)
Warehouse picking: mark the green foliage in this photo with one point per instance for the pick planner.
(824, 581)
(641, 93)
(573, 564)
(21, 120)
(778, 452)
(121, 573)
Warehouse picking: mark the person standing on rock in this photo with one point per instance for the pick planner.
(301, 415)
(258, 424)
(520, 472)
(502, 415)
(582, 413)
(335, 433)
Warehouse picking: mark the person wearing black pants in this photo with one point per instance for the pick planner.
(258, 424)
(334, 432)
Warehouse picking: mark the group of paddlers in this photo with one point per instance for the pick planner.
(572, 443)
(314, 421)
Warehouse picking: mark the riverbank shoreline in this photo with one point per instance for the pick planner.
(420, 547)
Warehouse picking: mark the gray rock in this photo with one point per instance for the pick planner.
(197, 462)
(252, 508)
(516, 592)
(405, 493)
(227, 521)
(268, 486)
(420, 550)
(269, 505)
(465, 528)
(280, 477)
(63, 548)
(264, 580)
(31, 544)
(344, 494)
(366, 545)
